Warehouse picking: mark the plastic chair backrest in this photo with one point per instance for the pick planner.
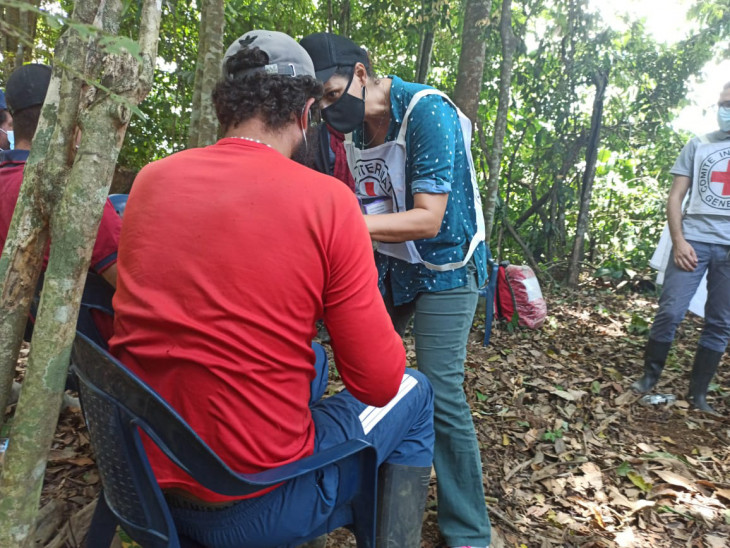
(119, 201)
(97, 296)
(117, 405)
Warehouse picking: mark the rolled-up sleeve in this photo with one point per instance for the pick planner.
(433, 128)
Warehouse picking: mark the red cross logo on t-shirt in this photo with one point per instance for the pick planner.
(724, 178)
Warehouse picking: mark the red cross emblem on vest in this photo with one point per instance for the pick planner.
(724, 178)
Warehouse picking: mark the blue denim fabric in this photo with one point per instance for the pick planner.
(679, 288)
(441, 328)
(403, 436)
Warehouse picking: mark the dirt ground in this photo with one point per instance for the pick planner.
(571, 457)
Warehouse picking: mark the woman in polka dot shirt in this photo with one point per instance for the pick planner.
(408, 151)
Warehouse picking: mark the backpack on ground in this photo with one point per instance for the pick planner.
(518, 299)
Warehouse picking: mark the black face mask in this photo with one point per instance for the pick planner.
(347, 113)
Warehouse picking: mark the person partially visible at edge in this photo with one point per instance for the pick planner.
(408, 148)
(700, 243)
(7, 137)
(25, 92)
(228, 256)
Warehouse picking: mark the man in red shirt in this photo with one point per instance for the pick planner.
(25, 93)
(228, 256)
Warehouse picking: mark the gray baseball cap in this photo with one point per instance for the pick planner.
(286, 56)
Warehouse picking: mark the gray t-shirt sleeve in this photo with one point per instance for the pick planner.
(684, 165)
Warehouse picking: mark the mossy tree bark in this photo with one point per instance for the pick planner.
(203, 121)
(68, 210)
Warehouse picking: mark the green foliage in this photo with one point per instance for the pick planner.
(623, 469)
(552, 435)
(639, 325)
(561, 46)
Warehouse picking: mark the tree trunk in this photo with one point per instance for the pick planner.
(28, 21)
(203, 121)
(423, 64)
(104, 121)
(44, 179)
(11, 37)
(500, 125)
(17, 27)
(345, 18)
(601, 82)
(471, 58)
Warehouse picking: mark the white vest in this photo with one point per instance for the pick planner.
(381, 172)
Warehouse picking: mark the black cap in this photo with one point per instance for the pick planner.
(329, 51)
(27, 86)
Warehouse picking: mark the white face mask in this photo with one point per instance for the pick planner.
(11, 138)
(723, 119)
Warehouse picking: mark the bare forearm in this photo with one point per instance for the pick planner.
(415, 224)
(420, 222)
(684, 254)
(674, 207)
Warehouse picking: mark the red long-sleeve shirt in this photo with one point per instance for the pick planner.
(228, 256)
(105, 247)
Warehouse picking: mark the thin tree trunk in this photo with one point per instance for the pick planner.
(529, 257)
(3, 35)
(194, 126)
(28, 20)
(500, 126)
(424, 55)
(471, 57)
(345, 18)
(203, 121)
(17, 27)
(601, 82)
(105, 122)
(12, 37)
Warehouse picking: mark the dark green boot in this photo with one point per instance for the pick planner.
(655, 355)
(402, 494)
(703, 370)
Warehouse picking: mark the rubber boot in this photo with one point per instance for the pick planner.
(402, 494)
(703, 370)
(655, 355)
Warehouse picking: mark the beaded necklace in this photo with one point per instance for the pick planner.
(249, 139)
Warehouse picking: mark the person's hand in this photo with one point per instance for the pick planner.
(685, 256)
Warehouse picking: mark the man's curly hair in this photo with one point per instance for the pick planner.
(277, 99)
